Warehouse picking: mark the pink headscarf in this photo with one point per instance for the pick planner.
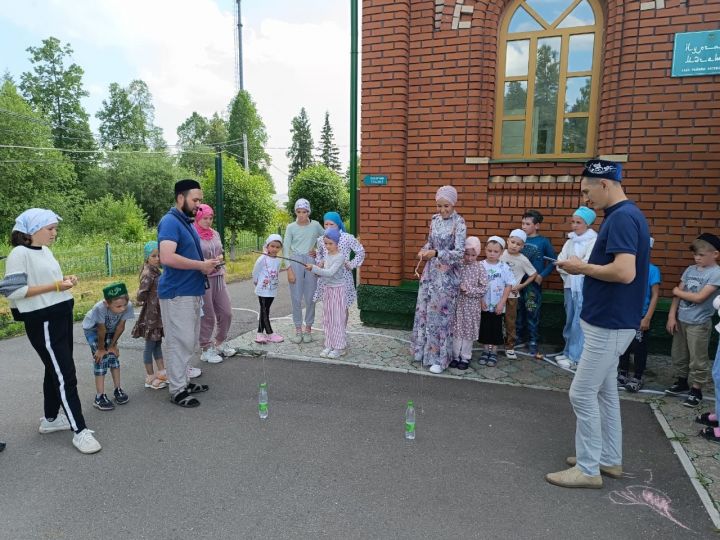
(203, 210)
(447, 193)
(472, 243)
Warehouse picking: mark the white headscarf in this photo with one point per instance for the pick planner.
(34, 219)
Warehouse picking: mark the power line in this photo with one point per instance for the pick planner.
(101, 151)
(95, 135)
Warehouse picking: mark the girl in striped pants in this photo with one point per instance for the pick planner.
(334, 303)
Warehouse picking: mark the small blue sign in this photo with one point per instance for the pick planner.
(375, 180)
(696, 53)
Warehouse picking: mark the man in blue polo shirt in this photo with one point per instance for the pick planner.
(181, 290)
(613, 296)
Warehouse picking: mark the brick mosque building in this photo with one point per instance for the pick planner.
(506, 99)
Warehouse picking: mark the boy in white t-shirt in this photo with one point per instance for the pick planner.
(520, 266)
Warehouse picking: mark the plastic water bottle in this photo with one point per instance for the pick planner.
(410, 421)
(263, 401)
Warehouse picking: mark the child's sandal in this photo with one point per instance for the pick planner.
(155, 383)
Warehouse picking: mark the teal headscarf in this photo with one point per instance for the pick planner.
(150, 246)
(335, 218)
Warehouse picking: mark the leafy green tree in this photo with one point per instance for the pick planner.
(193, 134)
(515, 98)
(29, 177)
(301, 148)
(547, 83)
(116, 218)
(127, 118)
(217, 131)
(248, 203)
(148, 178)
(323, 187)
(55, 90)
(575, 129)
(245, 119)
(329, 152)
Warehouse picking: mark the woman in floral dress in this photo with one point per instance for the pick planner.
(432, 342)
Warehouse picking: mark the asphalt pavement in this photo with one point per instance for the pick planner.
(329, 462)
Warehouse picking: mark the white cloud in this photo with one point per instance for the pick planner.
(185, 51)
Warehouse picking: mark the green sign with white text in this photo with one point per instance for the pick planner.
(696, 54)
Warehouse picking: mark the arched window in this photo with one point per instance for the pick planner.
(548, 79)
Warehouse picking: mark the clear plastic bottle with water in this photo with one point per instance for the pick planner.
(263, 401)
(410, 421)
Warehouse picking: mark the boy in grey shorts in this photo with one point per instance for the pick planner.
(690, 319)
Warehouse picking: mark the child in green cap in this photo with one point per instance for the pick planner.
(103, 326)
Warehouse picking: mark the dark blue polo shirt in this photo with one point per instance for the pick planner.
(177, 227)
(616, 305)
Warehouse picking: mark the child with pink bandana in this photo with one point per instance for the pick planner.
(473, 284)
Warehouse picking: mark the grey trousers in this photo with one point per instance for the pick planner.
(181, 324)
(594, 397)
(303, 289)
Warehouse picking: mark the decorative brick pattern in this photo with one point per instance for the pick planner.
(429, 101)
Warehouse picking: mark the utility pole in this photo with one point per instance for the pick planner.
(245, 152)
(240, 81)
(353, 115)
(219, 195)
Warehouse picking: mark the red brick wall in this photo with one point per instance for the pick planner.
(429, 100)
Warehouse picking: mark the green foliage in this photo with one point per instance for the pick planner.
(245, 119)
(329, 152)
(117, 219)
(127, 118)
(248, 204)
(301, 149)
(54, 90)
(547, 84)
(325, 190)
(196, 136)
(30, 178)
(149, 178)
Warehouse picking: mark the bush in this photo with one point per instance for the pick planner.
(324, 188)
(117, 219)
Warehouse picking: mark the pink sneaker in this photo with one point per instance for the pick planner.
(261, 338)
(275, 338)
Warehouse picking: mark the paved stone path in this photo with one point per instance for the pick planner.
(388, 349)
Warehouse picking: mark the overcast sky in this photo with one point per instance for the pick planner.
(296, 53)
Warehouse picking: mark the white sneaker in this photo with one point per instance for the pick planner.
(86, 442)
(193, 372)
(60, 423)
(211, 356)
(324, 353)
(565, 363)
(226, 350)
(510, 353)
(559, 357)
(334, 354)
(436, 369)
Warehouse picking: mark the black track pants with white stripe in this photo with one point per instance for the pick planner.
(51, 337)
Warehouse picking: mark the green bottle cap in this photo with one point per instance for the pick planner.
(263, 385)
(410, 403)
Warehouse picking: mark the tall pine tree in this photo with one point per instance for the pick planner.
(301, 148)
(329, 153)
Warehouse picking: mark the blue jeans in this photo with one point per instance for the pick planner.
(594, 397)
(716, 380)
(572, 333)
(528, 313)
